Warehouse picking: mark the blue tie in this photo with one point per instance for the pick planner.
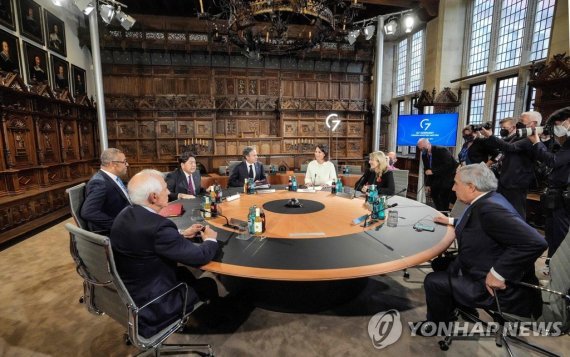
(122, 185)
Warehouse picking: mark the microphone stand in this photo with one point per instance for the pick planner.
(227, 224)
(368, 223)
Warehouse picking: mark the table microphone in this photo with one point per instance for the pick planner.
(396, 194)
(228, 225)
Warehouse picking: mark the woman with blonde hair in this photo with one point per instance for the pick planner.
(378, 175)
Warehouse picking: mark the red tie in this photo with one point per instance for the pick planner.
(190, 186)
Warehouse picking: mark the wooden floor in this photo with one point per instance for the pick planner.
(40, 316)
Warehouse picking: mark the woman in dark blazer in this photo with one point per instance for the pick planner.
(378, 175)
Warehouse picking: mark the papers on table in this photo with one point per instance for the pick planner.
(306, 190)
(232, 197)
(271, 190)
(262, 186)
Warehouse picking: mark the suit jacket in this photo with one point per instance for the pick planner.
(559, 162)
(147, 248)
(104, 199)
(177, 183)
(386, 185)
(517, 162)
(481, 151)
(240, 173)
(442, 164)
(491, 234)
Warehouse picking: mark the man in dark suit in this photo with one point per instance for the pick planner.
(439, 167)
(185, 181)
(249, 168)
(105, 193)
(147, 249)
(496, 246)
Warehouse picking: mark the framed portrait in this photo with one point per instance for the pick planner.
(78, 81)
(10, 55)
(36, 60)
(55, 33)
(7, 14)
(31, 20)
(59, 73)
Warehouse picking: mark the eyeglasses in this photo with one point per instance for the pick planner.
(121, 162)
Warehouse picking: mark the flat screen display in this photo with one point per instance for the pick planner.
(440, 129)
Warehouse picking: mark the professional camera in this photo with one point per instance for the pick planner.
(523, 133)
(477, 127)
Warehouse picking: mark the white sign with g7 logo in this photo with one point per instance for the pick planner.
(385, 328)
(332, 118)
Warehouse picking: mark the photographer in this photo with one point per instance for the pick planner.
(556, 198)
(475, 149)
(517, 161)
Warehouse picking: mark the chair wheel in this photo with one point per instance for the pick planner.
(127, 339)
(444, 346)
(406, 275)
(81, 300)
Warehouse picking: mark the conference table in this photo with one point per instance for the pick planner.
(322, 245)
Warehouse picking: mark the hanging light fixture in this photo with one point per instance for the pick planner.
(391, 26)
(125, 20)
(352, 36)
(107, 12)
(368, 31)
(408, 23)
(86, 6)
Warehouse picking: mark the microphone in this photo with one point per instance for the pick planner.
(228, 225)
(388, 207)
(314, 180)
(397, 193)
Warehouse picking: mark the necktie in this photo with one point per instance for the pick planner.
(250, 174)
(123, 187)
(190, 186)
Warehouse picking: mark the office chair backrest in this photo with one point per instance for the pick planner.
(401, 181)
(458, 209)
(304, 167)
(76, 196)
(555, 307)
(232, 165)
(355, 169)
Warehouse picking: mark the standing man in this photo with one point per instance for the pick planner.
(496, 246)
(439, 167)
(392, 159)
(516, 168)
(185, 181)
(249, 168)
(105, 193)
(147, 249)
(557, 213)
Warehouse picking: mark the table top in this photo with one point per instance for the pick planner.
(324, 245)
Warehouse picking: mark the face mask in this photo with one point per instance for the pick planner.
(520, 125)
(545, 139)
(560, 130)
(504, 133)
(468, 138)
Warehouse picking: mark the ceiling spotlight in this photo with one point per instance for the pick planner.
(368, 31)
(57, 2)
(126, 21)
(391, 26)
(408, 23)
(107, 12)
(352, 36)
(85, 5)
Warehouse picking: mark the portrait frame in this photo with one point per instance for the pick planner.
(7, 14)
(30, 52)
(55, 37)
(78, 88)
(56, 82)
(14, 51)
(31, 27)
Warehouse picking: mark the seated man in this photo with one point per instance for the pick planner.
(105, 193)
(496, 246)
(147, 248)
(185, 181)
(249, 168)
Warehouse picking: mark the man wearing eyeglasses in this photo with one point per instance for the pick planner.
(105, 193)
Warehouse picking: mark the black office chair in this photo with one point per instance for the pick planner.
(104, 293)
(76, 196)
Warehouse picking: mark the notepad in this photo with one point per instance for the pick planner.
(262, 186)
(271, 190)
(232, 197)
(306, 190)
(172, 210)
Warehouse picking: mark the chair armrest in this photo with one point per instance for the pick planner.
(536, 287)
(166, 293)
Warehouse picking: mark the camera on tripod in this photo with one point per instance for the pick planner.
(523, 133)
(477, 127)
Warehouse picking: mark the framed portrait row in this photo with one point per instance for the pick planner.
(44, 28)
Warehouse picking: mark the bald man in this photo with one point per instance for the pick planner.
(439, 168)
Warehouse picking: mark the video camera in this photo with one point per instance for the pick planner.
(546, 130)
(477, 127)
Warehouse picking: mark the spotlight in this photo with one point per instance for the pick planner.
(391, 26)
(107, 12)
(126, 21)
(408, 23)
(57, 2)
(368, 31)
(85, 5)
(352, 36)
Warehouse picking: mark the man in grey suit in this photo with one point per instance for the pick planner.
(105, 193)
(185, 181)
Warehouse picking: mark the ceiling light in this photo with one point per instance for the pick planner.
(391, 27)
(408, 23)
(85, 5)
(126, 21)
(352, 36)
(368, 31)
(57, 2)
(107, 12)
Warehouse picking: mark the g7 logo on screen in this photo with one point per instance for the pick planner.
(332, 118)
(425, 123)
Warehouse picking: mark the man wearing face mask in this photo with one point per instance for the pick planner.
(475, 148)
(557, 214)
(517, 159)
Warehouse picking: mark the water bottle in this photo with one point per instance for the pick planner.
(339, 186)
(251, 220)
(251, 187)
(381, 206)
(294, 184)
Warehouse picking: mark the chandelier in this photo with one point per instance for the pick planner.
(280, 27)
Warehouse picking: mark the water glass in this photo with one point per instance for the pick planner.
(196, 215)
(243, 231)
(392, 218)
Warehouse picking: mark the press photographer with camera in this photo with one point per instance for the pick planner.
(475, 149)
(556, 198)
(516, 163)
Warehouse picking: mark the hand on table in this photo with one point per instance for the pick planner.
(441, 220)
(191, 231)
(185, 196)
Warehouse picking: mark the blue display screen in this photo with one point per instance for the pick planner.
(440, 129)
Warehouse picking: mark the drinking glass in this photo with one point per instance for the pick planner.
(392, 218)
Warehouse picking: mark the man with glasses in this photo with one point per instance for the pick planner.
(105, 193)
(184, 182)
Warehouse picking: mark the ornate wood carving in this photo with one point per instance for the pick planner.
(444, 102)
(552, 81)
